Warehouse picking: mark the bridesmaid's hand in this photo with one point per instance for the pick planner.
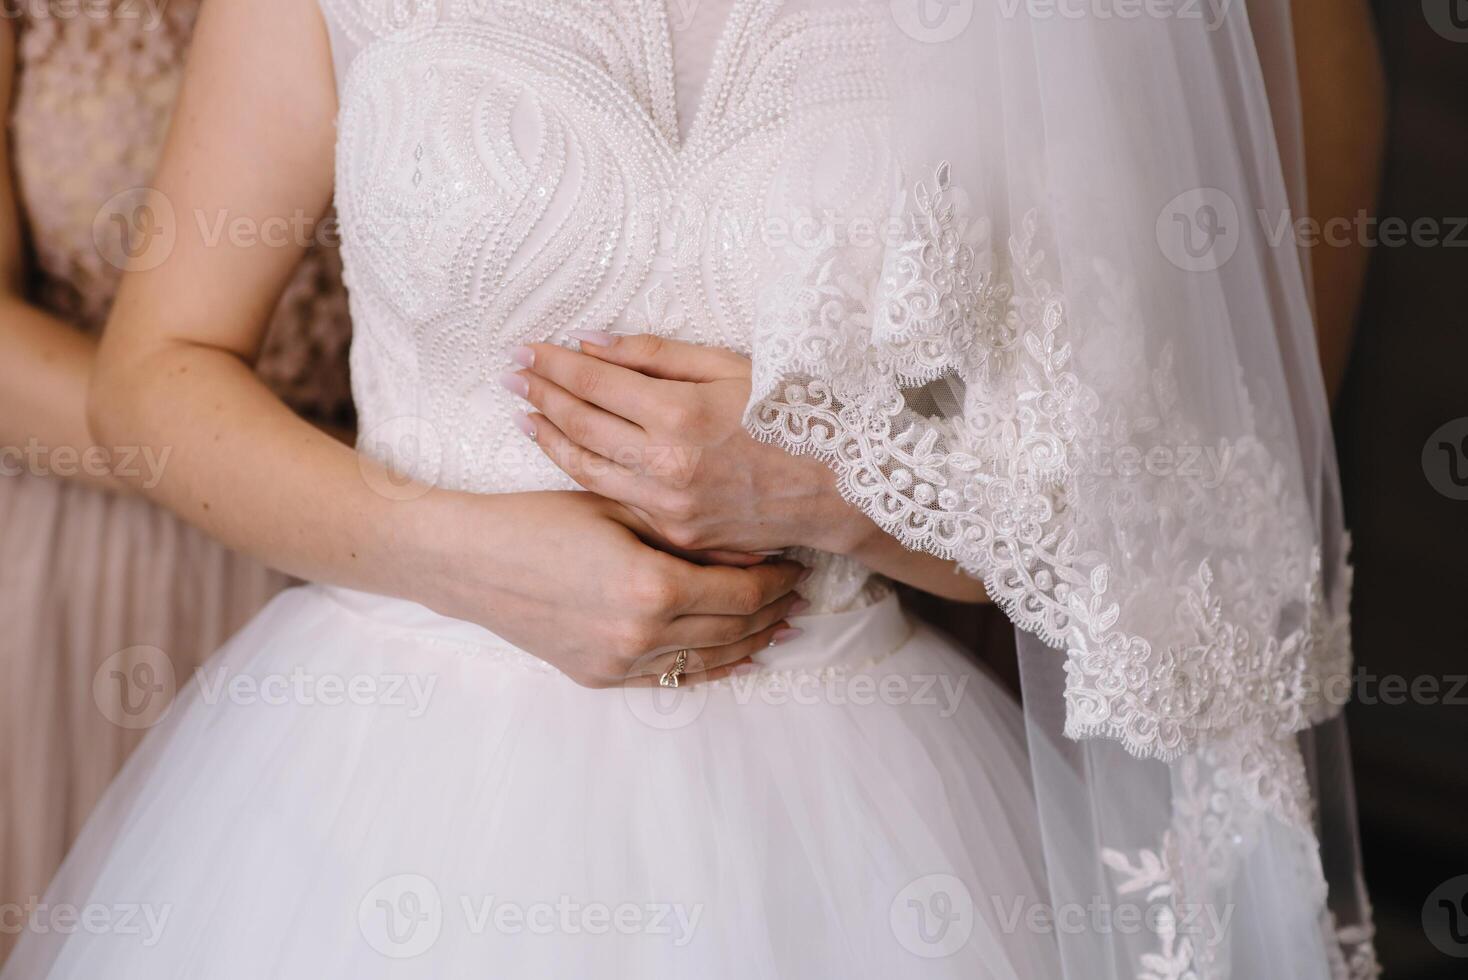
(565, 576)
(657, 425)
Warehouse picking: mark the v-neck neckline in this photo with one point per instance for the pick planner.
(730, 37)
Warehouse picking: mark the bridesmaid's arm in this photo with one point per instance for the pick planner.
(251, 139)
(46, 363)
(1343, 101)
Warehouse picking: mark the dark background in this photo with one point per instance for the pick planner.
(1408, 376)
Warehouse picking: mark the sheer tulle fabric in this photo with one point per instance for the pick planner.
(96, 576)
(1081, 362)
(756, 828)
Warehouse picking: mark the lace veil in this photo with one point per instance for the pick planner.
(1078, 357)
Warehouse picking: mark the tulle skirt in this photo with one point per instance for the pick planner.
(357, 787)
(97, 592)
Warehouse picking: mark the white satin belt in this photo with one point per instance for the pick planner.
(839, 640)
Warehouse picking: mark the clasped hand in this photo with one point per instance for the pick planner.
(656, 424)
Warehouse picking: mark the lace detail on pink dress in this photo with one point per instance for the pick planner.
(93, 97)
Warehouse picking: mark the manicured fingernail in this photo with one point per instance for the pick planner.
(805, 574)
(525, 424)
(514, 384)
(788, 633)
(523, 356)
(799, 606)
(770, 554)
(596, 338)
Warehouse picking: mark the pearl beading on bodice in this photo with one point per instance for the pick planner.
(508, 172)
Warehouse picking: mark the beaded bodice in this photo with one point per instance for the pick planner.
(94, 90)
(510, 171)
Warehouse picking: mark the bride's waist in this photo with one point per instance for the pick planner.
(831, 640)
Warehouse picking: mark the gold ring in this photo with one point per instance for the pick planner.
(671, 675)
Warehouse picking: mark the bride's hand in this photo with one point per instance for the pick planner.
(657, 425)
(570, 581)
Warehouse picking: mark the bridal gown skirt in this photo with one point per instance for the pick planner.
(94, 586)
(357, 787)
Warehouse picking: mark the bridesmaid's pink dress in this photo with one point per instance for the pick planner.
(95, 588)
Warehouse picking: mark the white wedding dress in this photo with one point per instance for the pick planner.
(358, 787)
